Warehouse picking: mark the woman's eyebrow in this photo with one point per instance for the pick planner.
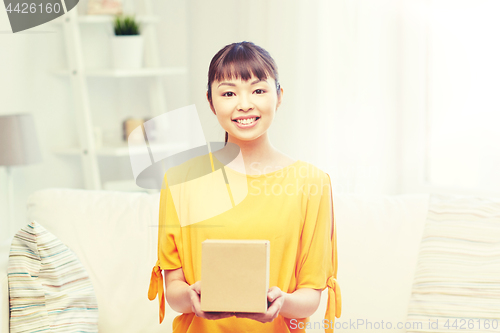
(233, 85)
(258, 80)
(226, 84)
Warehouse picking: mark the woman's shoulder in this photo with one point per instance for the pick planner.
(310, 171)
(316, 181)
(309, 177)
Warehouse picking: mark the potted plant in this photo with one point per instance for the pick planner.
(127, 43)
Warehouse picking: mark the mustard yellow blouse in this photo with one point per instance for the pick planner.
(291, 207)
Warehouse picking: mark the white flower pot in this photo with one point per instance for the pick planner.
(127, 51)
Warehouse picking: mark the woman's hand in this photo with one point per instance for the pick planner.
(276, 297)
(194, 294)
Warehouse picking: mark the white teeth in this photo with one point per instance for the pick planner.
(246, 121)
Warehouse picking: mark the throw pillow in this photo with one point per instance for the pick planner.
(49, 289)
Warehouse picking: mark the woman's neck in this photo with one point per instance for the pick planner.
(258, 150)
(256, 154)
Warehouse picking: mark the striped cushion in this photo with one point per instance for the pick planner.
(458, 269)
(49, 289)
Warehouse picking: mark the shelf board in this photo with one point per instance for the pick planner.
(119, 150)
(141, 72)
(100, 19)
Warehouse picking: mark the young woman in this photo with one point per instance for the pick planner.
(289, 203)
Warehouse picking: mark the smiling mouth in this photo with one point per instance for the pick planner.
(246, 121)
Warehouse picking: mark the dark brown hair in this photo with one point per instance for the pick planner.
(240, 61)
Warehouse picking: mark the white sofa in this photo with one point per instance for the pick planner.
(114, 234)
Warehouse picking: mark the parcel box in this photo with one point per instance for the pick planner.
(234, 275)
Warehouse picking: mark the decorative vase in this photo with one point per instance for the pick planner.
(127, 51)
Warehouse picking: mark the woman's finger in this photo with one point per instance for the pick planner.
(194, 296)
(197, 287)
(195, 302)
(247, 315)
(261, 317)
(274, 307)
(217, 315)
(197, 308)
(273, 293)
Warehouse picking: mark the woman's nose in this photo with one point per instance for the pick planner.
(244, 103)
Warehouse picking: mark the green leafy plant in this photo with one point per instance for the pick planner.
(125, 25)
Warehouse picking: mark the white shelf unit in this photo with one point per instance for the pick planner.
(119, 150)
(92, 19)
(143, 72)
(79, 75)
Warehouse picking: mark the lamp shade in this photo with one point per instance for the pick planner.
(18, 140)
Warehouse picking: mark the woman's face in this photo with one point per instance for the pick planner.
(254, 100)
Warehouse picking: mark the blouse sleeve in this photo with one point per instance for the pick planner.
(318, 246)
(169, 238)
(168, 242)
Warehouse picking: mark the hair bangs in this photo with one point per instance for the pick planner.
(241, 63)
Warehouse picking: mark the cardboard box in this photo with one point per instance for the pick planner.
(235, 275)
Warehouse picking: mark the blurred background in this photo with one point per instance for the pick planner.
(387, 96)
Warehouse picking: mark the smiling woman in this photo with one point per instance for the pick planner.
(244, 93)
(244, 77)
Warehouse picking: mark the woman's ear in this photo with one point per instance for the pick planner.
(211, 105)
(280, 98)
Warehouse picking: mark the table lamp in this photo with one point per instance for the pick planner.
(18, 146)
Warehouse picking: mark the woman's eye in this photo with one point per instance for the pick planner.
(226, 94)
(259, 91)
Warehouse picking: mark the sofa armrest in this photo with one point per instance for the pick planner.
(4, 285)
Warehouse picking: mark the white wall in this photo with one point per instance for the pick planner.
(450, 111)
(357, 106)
(27, 86)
